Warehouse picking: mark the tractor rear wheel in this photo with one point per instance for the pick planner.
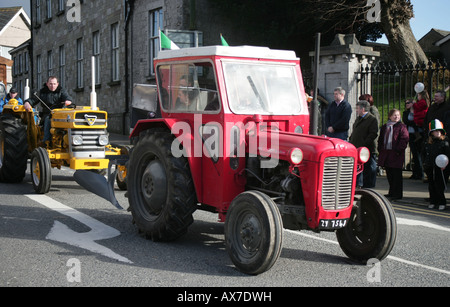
(253, 232)
(41, 171)
(372, 229)
(13, 149)
(161, 191)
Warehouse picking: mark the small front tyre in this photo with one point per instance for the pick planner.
(253, 232)
(41, 172)
(372, 229)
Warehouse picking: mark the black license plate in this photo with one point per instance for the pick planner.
(333, 224)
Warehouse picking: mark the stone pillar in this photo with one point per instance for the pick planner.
(339, 65)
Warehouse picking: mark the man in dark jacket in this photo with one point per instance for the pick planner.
(54, 97)
(337, 118)
(365, 134)
(440, 110)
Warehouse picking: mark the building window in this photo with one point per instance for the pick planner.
(61, 5)
(49, 9)
(38, 11)
(156, 18)
(96, 53)
(62, 66)
(14, 67)
(39, 70)
(80, 72)
(26, 61)
(115, 52)
(50, 63)
(20, 63)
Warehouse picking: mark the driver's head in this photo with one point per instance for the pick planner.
(52, 83)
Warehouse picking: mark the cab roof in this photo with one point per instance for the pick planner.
(239, 51)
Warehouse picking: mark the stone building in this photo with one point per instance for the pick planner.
(122, 36)
(21, 72)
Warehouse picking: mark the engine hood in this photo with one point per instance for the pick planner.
(312, 146)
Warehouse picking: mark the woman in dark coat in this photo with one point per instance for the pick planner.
(392, 143)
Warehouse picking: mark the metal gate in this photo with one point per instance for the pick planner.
(391, 84)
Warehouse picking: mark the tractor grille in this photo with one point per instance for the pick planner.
(90, 147)
(337, 183)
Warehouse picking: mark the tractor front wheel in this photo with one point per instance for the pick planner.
(41, 171)
(372, 230)
(253, 232)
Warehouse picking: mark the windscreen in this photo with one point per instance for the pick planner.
(262, 88)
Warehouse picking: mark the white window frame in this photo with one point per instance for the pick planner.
(115, 52)
(155, 20)
(80, 58)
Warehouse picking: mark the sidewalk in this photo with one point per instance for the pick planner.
(414, 191)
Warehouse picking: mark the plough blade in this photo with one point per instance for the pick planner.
(97, 184)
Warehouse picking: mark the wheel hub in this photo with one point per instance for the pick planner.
(250, 233)
(154, 186)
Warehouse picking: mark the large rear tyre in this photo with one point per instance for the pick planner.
(161, 191)
(41, 171)
(13, 149)
(253, 232)
(372, 229)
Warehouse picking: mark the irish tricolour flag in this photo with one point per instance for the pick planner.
(166, 43)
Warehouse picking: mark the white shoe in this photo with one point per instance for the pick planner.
(431, 206)
(441, 208)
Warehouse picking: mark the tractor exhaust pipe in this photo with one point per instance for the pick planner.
(93, 93)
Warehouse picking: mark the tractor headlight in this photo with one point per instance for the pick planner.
(77, 140)
(364, 154)
(296, 156)
(103, 140)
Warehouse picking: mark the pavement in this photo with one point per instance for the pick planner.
(414, 191)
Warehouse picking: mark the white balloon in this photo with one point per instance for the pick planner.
(442, 161)
(419, 87)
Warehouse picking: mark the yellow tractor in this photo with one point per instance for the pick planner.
(80, 141)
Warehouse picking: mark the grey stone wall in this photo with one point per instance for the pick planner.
(53, 32)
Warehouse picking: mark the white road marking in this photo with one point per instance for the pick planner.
(409, 222)
(62, 233)
(399, 221)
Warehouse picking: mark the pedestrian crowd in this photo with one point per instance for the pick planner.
(422, 126)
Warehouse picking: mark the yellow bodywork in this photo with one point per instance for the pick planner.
(79, 118)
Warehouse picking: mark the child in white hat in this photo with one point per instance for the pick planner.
(436, 145)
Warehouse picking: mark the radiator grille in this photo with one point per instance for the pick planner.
(337, 183)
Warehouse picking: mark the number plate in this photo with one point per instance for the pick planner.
(333, 224)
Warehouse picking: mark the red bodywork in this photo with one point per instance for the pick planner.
(216, 183)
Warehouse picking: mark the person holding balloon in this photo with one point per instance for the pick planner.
(420, 108)
(436, 153)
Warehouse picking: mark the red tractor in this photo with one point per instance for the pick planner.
(230, 134)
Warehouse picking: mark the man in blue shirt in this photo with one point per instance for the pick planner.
(337, 118)
(13, 94)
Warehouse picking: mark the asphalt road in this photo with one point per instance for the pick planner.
(72, 238)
